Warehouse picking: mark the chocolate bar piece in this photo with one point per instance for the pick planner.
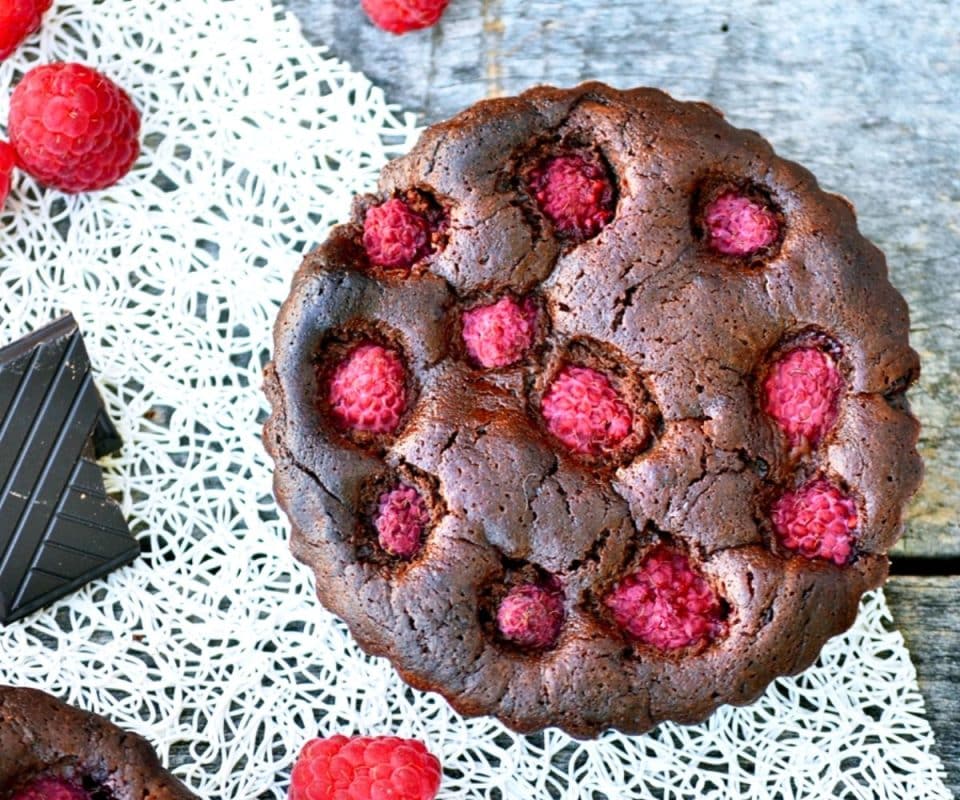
(58, 528)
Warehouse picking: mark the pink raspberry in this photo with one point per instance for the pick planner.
(394, 235)
(368, 390)
(665, 603)
(585, 412)
(531, 615)
(403, 16)
(50, 788)
(739, 226)
(817, 521)
(18, 19)
(802, 393)
(73, 128)
(575, 193)
(402, 517)
(8, 160)
(498, 335)
(365, 768)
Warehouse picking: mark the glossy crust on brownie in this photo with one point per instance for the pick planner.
(695, 328)
(39, 736)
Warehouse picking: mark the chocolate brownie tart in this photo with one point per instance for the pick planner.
(52, 751)
(594, 415)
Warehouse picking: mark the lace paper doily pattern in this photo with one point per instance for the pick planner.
(212, 644)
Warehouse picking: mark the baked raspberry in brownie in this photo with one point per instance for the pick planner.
(594, 415)
(52, 751)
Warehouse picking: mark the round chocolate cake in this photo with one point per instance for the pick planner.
(52, 751)
(594, 415)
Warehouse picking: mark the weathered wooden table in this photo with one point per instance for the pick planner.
(867, 95)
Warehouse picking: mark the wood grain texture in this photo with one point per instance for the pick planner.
(866, 95)
(925, 611)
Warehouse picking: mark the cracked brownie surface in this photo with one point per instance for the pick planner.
(594, 415)
(52, 750)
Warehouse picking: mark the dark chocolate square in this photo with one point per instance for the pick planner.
(58, 528)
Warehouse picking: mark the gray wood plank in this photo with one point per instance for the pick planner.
(865, 95)
(925, 611)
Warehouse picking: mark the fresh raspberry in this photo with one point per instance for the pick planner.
(8, 160)
(575, 193)
(394, 235)
(584, 411)
(403, 16)
(739, 226)
(73, 128)
(817, 521)
(531, 615)
(50, 788)
(667, 604)
(802, 393)
(498, 335)
(18, 19)
(365, 768)
(368, 390)
(402, 517)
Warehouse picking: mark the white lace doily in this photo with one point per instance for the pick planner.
(212, 644)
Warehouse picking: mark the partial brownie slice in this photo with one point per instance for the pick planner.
(53, 751)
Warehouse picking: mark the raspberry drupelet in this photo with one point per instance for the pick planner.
(531, 615)
(498, 335)
(802, 394)
(584, 411)
(368, 390)
(394, 235)
(739, 226)
(575, 192)
(51, 788)
(402, 517)
(666, 603)
(365, 768)
(817, 521)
